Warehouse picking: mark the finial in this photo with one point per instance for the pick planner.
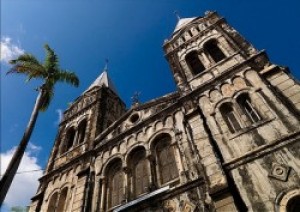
(106, 65)
(177, 15)
(135, 98)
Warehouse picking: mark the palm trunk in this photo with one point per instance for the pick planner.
(13, 166)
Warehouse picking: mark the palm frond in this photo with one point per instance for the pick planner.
(51, 60)
(68, 77)
(27, 64)
(29, 58)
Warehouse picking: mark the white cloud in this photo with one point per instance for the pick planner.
(60, 116)
(24, 185)
(9, 50)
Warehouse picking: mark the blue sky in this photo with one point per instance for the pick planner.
(128, 32)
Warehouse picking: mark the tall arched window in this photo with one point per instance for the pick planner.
(230, 117)
(52, 202)
(115, 190)
(168, 170)
(214, 51)
(81, 131)
(70, 135)
(194, 63)
(246, 106)
(62, 201)
(140, 172)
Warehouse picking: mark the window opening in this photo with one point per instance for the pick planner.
(246, 106)
(115, 185)
(166, 161)
(62, 200)
(140, 173)
(81, 131)
(194, 63)
(214, 51)
(70, 139)
(230, 117)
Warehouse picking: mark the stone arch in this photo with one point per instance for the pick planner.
(133, 148)
(239, 83)
(110, 161)
(51, 193)
(207, 38)
(286, 198)
(227, 89)
(215, 95)
(161, 131)
(213, 48)
(241, 92)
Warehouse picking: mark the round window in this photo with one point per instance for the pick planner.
(134, 118)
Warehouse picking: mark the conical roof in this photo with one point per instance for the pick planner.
(183, 22)
(103, 80)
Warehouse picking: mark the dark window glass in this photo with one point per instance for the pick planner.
(70, 135)
(62, 200)
(194, 63)
(230, 117)
(116, 185)
(52, 203)
(214, 51)
(81, 131)
(166, 160)
(141, 181)
(247, 108)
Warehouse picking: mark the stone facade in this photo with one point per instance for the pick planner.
(227, 140)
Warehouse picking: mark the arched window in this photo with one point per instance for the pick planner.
(140, 172)
(168, 170)
(62, 201)
(214, 51)
(293, 204)
(52, 202)
(246, 106)
(81, 131)
(230, 117)
(194, 63)
(115, 190)
(70, 135)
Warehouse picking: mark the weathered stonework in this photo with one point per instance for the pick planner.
(227, 140)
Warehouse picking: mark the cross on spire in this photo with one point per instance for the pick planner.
(106, 65)
(177, 15)
(135, 98)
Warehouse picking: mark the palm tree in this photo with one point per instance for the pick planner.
(50, 73)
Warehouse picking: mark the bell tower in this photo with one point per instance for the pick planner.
(203, 48)
(248, 107)
(89, 115)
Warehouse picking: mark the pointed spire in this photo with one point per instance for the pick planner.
(103, 80)
(181, 22)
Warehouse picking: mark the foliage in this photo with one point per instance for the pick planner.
(49, 71)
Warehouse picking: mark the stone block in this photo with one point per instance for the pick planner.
(292, 90)
(286, 84)
(295, 98)
(210, 159)
(279, 79)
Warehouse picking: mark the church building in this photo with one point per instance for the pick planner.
(227, 140)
